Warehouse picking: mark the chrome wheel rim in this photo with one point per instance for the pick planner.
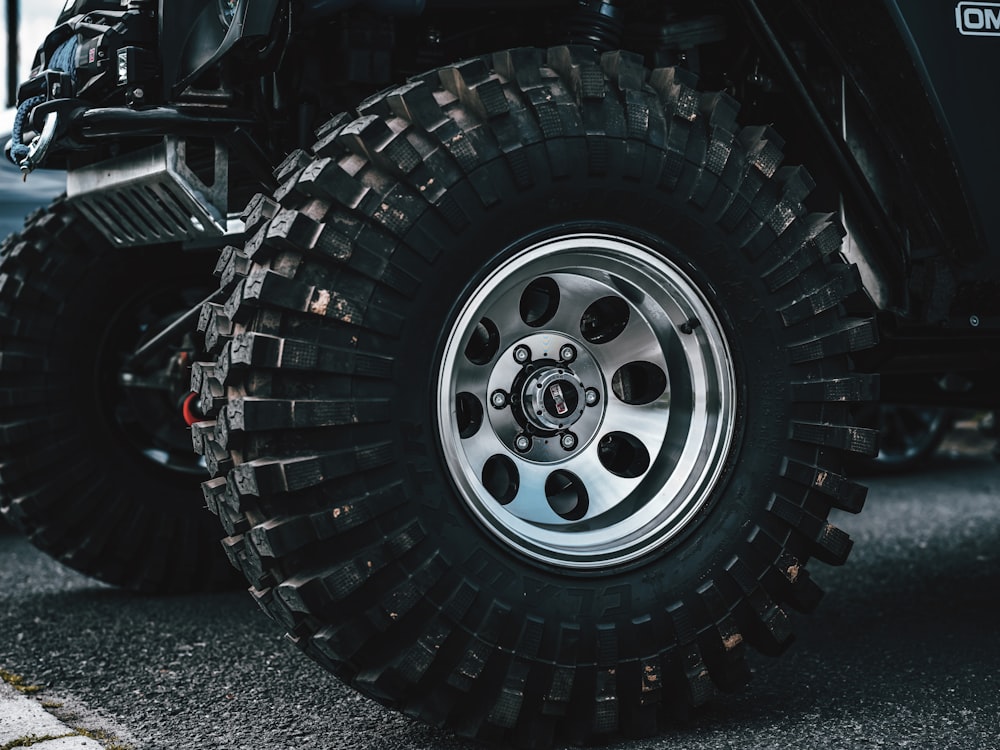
(586, 401)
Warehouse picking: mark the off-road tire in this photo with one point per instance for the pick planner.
(69, 478)
(343, 506)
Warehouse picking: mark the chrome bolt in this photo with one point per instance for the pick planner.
(591, 397)
(522, 354)
(522, 443)
(568, 441)
(974, 321)
(567, 353)
(498, 399)
(138, 93)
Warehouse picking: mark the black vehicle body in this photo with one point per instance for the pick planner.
(518, 200)
(884, 101)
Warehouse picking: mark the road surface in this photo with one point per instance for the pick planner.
(903, 652)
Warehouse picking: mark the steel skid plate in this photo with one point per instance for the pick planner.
(153, 196)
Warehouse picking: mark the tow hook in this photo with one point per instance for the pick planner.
(40, 145)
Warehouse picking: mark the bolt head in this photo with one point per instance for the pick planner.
(498, 399)
(567, 353)
(591, 397)
(568, 441)
(522, 443)
(522, 354)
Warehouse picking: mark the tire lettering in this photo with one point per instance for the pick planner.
(617, 600)
(536, 589)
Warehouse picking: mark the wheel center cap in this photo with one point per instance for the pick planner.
(545, 397)
(553, 398)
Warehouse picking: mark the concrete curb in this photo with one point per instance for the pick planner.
(23, 720)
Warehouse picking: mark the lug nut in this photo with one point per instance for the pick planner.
(568, 441)
(591, 397)
(567, 353)
(498, 399)
(522, 354)
(522, 443)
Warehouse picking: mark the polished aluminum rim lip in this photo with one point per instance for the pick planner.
(687, 448)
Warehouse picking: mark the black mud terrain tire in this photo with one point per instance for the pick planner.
(407, 294)
(92, 470)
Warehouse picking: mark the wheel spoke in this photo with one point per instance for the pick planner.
(647, 423)
(505, 312)
(471, 378)
(636, 343)
(577, 294)
(530, 503)
(479, 448)
(605, 490)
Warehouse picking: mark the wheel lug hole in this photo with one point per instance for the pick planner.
(499, 399)
(522, 355)
(522, 443)
(567, 353)
(591, 397)
(568, 441)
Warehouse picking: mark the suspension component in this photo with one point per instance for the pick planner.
(597, 23)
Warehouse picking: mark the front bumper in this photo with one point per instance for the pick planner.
(153, 194)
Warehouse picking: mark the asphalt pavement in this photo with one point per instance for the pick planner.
(902, 653)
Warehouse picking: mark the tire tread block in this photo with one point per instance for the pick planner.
(271, 475)
(842, 493)
(861, 388)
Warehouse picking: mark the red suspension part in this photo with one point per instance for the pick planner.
(190, 411)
